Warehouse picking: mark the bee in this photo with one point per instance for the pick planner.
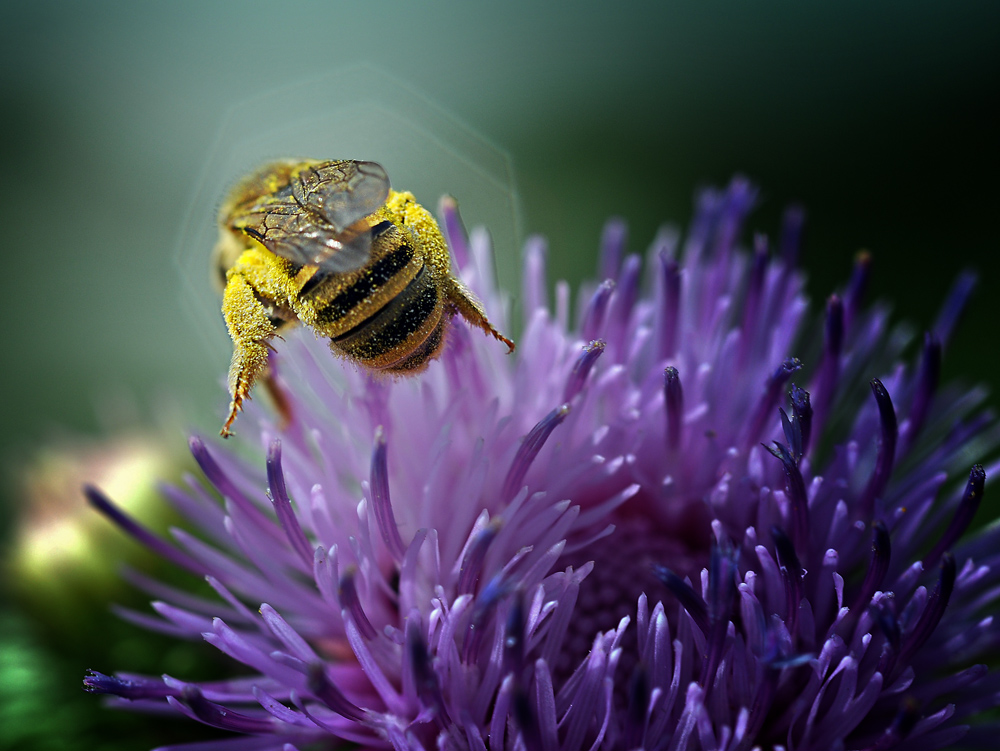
(332, 246)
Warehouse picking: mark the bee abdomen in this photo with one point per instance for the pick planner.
(403, 334)
(384, 277)
(378, 273)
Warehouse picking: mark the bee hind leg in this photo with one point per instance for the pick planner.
(250, 329)
(279, 397)
(249, 364)
(467, 306)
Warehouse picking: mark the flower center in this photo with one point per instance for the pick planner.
(623, 570)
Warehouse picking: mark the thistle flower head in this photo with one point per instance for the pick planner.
(654, 527)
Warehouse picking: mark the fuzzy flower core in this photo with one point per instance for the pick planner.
(685, 517)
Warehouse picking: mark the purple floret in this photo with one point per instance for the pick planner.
(654, 527)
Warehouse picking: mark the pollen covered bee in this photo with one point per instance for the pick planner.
(332, 246)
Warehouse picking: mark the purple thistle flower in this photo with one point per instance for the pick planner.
(652, 528)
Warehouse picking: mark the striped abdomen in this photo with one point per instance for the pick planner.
(388, 316)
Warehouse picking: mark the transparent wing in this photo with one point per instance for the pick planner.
(320, 218)
(342, 192)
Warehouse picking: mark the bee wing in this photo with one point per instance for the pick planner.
(283, 226)
(342, 192)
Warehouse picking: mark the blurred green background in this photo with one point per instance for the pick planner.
(122, 122)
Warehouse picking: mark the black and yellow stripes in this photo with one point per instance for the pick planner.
(394, 337)
(357, 295)
(386, 316)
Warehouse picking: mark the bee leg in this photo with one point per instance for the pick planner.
(466, 304)
(279, 397)
(250, 329)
